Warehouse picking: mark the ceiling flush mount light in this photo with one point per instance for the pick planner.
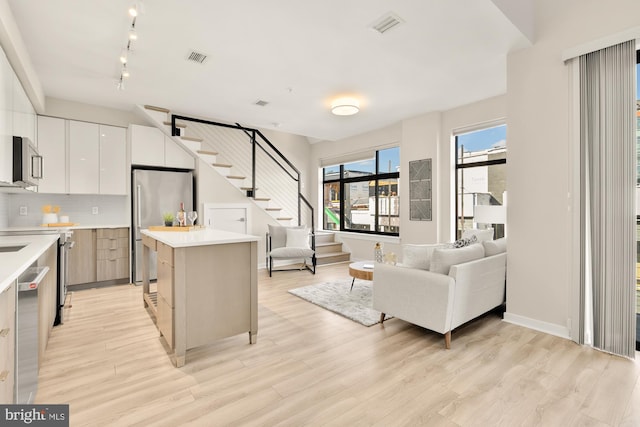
(345, 106)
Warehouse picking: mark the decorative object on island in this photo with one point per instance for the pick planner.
(181, 216)
(192, 216)
(377, 252)
(168, 219)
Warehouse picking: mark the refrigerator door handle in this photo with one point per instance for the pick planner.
(138, 217)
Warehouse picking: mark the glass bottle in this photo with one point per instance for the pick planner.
(377, 252)
(181, 216)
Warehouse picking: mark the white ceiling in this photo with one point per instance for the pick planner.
(296, 55)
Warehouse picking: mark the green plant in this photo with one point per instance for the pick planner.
(168, 217)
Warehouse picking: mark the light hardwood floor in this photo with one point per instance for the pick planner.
(313, 367)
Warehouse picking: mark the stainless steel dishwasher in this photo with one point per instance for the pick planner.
(27, 334)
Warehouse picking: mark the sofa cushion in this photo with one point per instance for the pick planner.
(443, 259)
(419, 256)
(298, 238)
(481, 235)
(494, 247)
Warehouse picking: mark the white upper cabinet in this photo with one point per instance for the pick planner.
(150, 147)
(52, 148)
(81, 157)
(113, 160)
(6, 119)
(24, 116)
(84, 158)
(147, 146)
(175, 156)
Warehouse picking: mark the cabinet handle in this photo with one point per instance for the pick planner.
(4, 332)
(3, 376)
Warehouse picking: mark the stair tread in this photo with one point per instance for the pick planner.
(213, 153)
(284, 219)
(221, 165)
(261, 199)
(330, 254)
(272, 209)
(192, 138)
(154, 108)
(327, 243)
(178, 125)
(235, 177)
(248, 188)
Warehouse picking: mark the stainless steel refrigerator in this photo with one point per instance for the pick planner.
(154, 193)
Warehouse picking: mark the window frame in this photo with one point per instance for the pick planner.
(461, 166)
(343, 182)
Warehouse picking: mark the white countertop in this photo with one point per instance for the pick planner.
(204, 237)
(12, 264)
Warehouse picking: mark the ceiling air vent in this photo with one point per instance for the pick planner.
(261, 103)
(196, 57)
(386, 22)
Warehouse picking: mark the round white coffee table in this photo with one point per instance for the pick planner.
(361, 270)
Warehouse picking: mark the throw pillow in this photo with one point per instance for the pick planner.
(419, 256)
(443, 259)
(297, 238)
(465, 241)
(481, 235)
(494, 247)
(278, 235)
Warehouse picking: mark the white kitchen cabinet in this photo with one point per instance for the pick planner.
(175, 156)
(113, 160)
(147, 145)
(52, 147)
(6, 119)
(24, 116)
(151, 147)
(84, 158)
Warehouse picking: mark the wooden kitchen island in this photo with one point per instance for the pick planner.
(206, 287)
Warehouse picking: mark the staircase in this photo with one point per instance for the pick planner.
(207, 142)
(328, 251)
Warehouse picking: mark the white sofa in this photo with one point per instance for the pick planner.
(456, 286)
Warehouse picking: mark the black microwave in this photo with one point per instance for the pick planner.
(27, 163)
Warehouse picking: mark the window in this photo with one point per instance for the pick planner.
(481, 172)
(363, 196)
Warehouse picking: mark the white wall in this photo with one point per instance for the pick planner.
(539, 182)
(65, 109)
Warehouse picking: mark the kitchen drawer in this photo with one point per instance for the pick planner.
(111, 254)
(112, 233)
(165, 281)
(165, 320)
(149, 242)
(165, 253)
(112, 269)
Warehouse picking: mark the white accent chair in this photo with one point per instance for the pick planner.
(290, 243)
(454, 287)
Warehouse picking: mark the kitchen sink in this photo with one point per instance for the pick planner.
(14, 248)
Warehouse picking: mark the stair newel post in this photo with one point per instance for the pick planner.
(299, 204)
(174, 129)
(253, 164)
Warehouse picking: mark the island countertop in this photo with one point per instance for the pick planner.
(12, 264)
(206, 236)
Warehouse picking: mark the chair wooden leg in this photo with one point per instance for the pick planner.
(381, 314)
(447, 340)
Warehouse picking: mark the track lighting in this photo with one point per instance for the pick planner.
(132, 35)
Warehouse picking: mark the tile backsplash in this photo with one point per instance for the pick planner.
(79, 208)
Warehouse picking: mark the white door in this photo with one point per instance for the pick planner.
(233, 218)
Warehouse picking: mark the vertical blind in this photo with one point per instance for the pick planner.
(608, 178)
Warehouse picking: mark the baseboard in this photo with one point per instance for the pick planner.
(538, 325)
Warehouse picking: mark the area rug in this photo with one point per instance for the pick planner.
(335, 296)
